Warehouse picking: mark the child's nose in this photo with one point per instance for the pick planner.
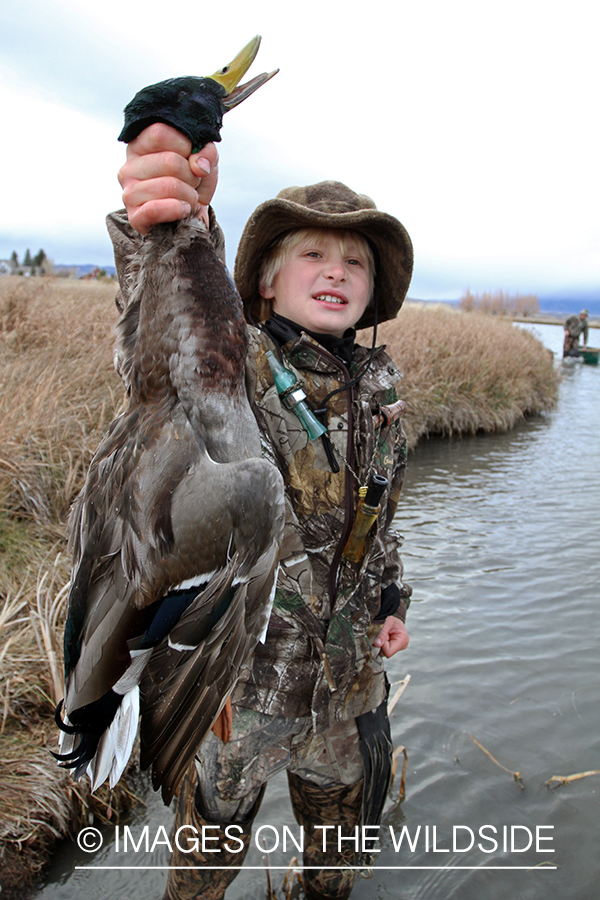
(335, 270)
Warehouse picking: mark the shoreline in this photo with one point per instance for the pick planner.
(548, 319)
(538, 318)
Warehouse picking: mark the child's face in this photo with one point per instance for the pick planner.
(321, 288)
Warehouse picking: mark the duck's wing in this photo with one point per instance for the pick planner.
(121, 534)
(158, 512)
(193, 671)
(192, 674)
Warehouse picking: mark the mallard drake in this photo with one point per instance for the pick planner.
(195, 106)
(175, 533)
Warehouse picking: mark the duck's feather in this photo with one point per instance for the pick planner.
(116, 743)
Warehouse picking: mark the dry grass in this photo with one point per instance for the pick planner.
(58, 390)
(40, 804)
(465, 373)
(58, 393)
(516, 775)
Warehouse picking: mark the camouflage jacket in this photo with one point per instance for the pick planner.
(318, 657)
(576, 326)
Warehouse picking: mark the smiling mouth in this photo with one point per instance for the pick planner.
(329, 298)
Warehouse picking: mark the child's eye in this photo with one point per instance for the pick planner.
(354, 262)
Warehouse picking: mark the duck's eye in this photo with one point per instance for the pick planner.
(182, 93)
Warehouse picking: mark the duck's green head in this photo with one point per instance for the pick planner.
(195, 106)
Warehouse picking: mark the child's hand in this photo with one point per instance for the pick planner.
(392, 637)
(161, 182)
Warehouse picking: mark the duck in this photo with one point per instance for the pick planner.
(175, 535)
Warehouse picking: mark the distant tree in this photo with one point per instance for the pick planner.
(27, 258)
(467, 301)
(527, 305)
(14, 258)
(39, 258)
(500, 303)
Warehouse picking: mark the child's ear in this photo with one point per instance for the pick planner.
(266, 291)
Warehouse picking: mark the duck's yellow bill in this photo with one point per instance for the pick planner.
(230, 75)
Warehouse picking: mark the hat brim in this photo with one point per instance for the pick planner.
(389, 237)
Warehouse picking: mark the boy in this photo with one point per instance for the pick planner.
(312, 264)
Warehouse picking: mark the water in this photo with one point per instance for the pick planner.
(501, 550)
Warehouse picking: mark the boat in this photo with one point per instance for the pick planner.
(590, 355)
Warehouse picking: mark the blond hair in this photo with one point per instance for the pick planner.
(277, 254)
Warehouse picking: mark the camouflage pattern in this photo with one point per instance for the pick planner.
(231, 775)
(337, 806)
(575, 326)
(318, 659)
(228, 783)
(187, 879)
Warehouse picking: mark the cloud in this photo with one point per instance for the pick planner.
(471, 123)
(55, 52)
(56, 193)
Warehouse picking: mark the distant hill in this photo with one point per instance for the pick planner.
(84, 270)
(568, 305)
(556, 306)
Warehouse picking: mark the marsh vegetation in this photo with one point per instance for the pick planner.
(500, 303)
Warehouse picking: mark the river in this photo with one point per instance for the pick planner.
(502, 552)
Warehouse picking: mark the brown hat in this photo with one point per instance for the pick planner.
(329, 204)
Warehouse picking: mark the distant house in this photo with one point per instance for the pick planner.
(92, 275)
(10, 267)
(7, 267)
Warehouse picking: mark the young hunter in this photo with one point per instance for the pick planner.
(313, 264)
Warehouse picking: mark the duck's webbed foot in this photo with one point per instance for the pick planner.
(89, 723)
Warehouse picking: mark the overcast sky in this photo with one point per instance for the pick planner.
(475, 123)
